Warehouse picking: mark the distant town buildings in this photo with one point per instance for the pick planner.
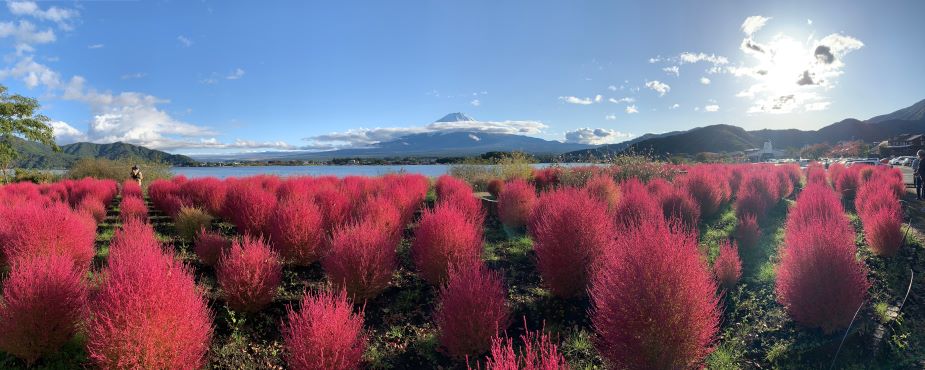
(905, 144)
(764, 153)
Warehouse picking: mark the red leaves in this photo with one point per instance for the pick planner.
(324, 333)
(249, 274)
(362, 259)
(296, 232)
(34, 230)
(445, 237)
(727, 267)
(472, 309)
(515, 202)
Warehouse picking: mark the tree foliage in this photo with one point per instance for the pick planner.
(18, 118)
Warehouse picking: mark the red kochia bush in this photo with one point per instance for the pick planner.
(131, 189)
(539, 353)
(94, 208)
(44, 301)
(515, 204)
(883, 230)
(820, 282)
(249, 274)
(654, 301)
(815, 174)
(209, 246)
(495, 186)
(658, 187)
(133, 208)
(249, 206)
(846, 181)
(636, 206)
(546, 178)
(32, 230)
(207, 193)
(710, 190)
(444, 237)
(472, 309)
(569, 229)
(296, 231)
(324, 334)
(678, 205)
(380, 212)
(457, 193)
(747, 232)
(604, 189)
(362, 260)
(148, 313)
(727, 267)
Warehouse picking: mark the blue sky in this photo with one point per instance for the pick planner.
(219, 76)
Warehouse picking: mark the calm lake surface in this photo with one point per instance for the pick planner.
(339, 171)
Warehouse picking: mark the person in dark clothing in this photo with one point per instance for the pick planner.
(918, 172)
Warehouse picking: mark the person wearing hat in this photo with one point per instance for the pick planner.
(136, 174)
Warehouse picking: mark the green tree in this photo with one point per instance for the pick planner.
(18, 118)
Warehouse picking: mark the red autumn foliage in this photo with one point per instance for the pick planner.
(444, 237)
(883, 229)
(636, 206)
(515, 204)
(408, 192)
(207, 193)
(324, 334)
(678, 205)
(546, 178)
(538, 353)
(604, 189)
(33, 230)
(209, 246)
(727, 267)
(131, 189)
(381, 212)
(747, 233)
(819, 281)
(846, 181)
(658, 187)
(457, 193)
(362, 259)
(148, 313)
(758, 192)
(495, 187)
(472, 310)
(815, 174)
(570, 230)
(44, 301)
(133, 208)
(249, 274)
(335, 207)
(708, 187)
(94, 208)
(296, 232)
(654, 301)
(249, 206)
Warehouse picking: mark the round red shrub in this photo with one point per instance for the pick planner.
(604, 189)
(538, 353)
(658, 187)
(654, 301)
(324, 334)
(94, 208)
(33, 230)
(636, 206)
(495, 186)
(207, 193)
(819, 281)
(44, 301)
(133, 208)
(569, 230)
(457, 193)
(362, 260)
(727, 267)
(515, 204)
(847, 181)
(335, 207)
(148, 313)
(444, 237)
(381, 212)
(249, 274)
(296, 231)
(249, 206)
(680, 206)
(707, 187)
(546, 178)
(883, 230)
(209, 246)
(815, 174)
(131, 189)
(747, 233)
(472, 309)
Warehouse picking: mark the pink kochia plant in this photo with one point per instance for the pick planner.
(133, 208)
(445, 237)
(679, 206)
(249, 206)
(515, 202)
(324, 334)
(296, 231)
(33, 230)
(654, 301)
(44, 301)
(131, 189)
(362, 259)
(747, 233)
(570, 230)
(539, 353)
(727, 267)
(209, 246)
(249, 274)
(472, 310)
(148, 313)
(457, 193)
(604, 189)
(820, 282)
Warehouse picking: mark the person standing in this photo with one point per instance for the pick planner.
(917, 173)
(136, 174)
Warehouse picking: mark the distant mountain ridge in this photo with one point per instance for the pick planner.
(728, 138)
(35, 155)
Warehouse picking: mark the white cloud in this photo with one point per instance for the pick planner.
(704, 81)
(237, 74)
(132, 76)
(576, 100)
(753, 24)
(673, 70)
(621, 100)
(366, 137)
(95, 46)
(809, 22)
(32, 74)
(475, 103)
(65, 133)
(711, 108)
(25, 34)
(630, 109)
(185, 41)
(817, 106)
(610, 117)
(674, 106)
(598, 98)
(660, 87)
(61, 16)
(612, 88)
(595, 136)
(691, 58)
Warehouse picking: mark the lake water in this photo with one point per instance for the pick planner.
(430, 170)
